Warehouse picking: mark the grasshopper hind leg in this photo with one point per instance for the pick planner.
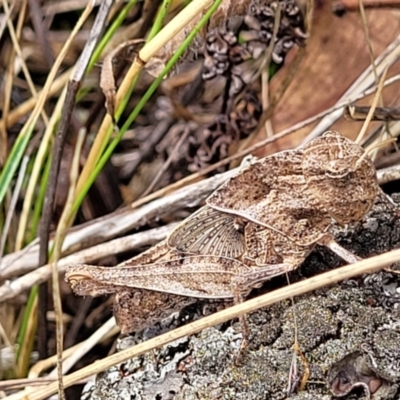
(244, 325)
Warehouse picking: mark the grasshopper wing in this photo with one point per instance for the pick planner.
(209, 232)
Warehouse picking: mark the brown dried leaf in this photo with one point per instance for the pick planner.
(336, 55)
(107, 81)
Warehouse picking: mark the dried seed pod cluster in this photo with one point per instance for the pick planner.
(291, 26)
(234, 47)
(210, 144)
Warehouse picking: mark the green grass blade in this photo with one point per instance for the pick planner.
(37, 212)
(162, 13)
(13, 162)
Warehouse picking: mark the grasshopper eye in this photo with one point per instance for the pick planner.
(337, 169)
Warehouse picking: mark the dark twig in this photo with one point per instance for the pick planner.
(152, 140)
(44, 229)
(77, 322)
(359, 113)
(168, 162)
(41, 31)
(339, 7)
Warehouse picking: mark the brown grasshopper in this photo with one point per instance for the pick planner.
(261, 223)
(166, 279)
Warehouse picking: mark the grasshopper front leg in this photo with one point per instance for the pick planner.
(255, 276)
(344, 254)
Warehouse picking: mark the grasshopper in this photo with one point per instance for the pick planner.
(261, 223)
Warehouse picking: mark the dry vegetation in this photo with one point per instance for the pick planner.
(116, 118)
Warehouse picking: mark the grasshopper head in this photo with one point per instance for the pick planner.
(341, 176)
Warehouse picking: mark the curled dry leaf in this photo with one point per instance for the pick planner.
(130, 49)
(352, 371)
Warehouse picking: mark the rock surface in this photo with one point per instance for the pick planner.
(348, 333)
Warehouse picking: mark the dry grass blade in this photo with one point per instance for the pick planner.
(71, 354)
(308, 285)
(374, 104)
(13, 384)
(107, 81)
(57, 254)
(365, 80)
(107, 329)
(23, 65)
(367, 37)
